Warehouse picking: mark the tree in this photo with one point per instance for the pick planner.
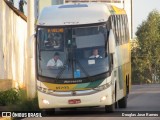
(146, 56)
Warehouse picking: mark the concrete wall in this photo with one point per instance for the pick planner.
(13, 45)
(6, 84)
(13, 34)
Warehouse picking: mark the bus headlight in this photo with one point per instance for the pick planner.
(45, 90)
(102, 87)
(45, 101)
(103, 98)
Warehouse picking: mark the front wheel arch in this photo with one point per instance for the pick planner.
(111, 108)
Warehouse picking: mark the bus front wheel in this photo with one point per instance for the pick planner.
(122, 103)
(110, 108)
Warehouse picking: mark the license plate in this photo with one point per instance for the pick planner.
(74, 101)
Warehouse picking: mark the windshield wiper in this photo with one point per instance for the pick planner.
(62, 69)
(68, 62)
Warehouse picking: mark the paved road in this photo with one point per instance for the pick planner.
(142, 98)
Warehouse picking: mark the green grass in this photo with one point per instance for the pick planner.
(9, 97)
(16, 100)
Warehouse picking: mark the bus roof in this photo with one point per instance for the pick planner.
(76, 14)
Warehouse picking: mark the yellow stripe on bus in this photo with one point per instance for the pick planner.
(59, 87)
(63, 87)
(118, 10)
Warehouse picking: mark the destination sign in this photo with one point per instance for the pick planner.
(54, 30)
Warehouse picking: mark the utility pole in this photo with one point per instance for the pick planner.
(131, 19)
(30, 64)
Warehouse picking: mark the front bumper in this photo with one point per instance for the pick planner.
(96, 99)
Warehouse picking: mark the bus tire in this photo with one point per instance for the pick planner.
(122, 103)
(110, 108)
(116, 105)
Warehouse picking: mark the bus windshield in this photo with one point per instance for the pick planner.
(72, 52)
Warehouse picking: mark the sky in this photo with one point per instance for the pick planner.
(141, 9)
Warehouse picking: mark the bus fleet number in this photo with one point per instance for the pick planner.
(62, 87)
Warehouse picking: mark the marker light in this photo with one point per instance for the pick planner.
(45, 102)
(103, 98)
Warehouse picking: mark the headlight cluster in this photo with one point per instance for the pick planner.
(102, 87)
(45, 90)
